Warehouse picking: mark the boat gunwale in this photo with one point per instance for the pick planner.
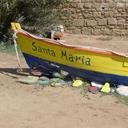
(77, 47)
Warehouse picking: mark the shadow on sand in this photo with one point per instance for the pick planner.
(14, 72)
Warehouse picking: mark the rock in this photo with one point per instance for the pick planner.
(97, 31)
(121, 4)
(95, 84)
(54, 80)
(78, 22)
(77, 83)
(102, 22)
(35, 71)
(43, 78)
(64, 73)
(57, 75)
(59, 82)
(121, 22)
(97, 14)
(69, 83)
(122, 90)
(112, 21)
(86, 31)
(29, 80)
(90, 16)
(91, 23)
(107, 31)
(106, 88)
(44, 82)
(87, 5)
(93, 89)
(109, 14)
(76, 31)
(80, 5)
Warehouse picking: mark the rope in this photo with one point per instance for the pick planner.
(17, 54)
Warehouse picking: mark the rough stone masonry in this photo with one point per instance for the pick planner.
(96, 17)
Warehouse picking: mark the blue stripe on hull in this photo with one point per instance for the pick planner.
(89, 75)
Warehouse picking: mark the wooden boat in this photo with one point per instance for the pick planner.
(93, 64)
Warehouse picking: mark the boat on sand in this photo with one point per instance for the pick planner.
(90, 63)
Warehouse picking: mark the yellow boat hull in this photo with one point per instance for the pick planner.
(91, 63)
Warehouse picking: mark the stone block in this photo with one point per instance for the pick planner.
(76, 1)
(118, 15)
(73, 17)
(87, 5)
(91, 23)
(70, 29)
(116, 32)
(73, 5)
(88, 15)
(97, 14)
(86, 31)
(77, 31)
(120, 26)
(96, 6)
(72, 11)
(95, 17)
(78, 22)
(126, 26)
(87, 1)
(98, 1)
(111, 27)
(80, 5)
(108, 14)
(112, 21)
(121, 22)
(119, 32)
(102, 22)
(79, 16)
(68, 23)
(107, 31)
(120, 5)
(96, 32)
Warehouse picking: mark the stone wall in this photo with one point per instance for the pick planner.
(96, 17)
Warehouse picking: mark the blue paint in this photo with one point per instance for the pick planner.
(88, 75)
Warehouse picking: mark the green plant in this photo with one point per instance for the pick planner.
(84, 90)
(36, 13)
(8, 47)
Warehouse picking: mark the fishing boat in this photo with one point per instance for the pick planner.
(90, 63)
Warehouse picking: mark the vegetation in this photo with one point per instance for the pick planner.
(35, 13)
(7, 47)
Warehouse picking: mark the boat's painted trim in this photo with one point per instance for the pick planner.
(89, 75)
(81, 48)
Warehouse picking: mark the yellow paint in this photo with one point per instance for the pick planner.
(15, 26)
(111, 64)
(77, 83)
(106, 88)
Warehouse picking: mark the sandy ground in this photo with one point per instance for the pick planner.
(30, 106)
